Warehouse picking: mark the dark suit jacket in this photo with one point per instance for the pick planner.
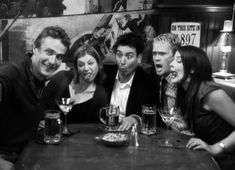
(141, 92)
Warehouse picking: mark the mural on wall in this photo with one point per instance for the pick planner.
(107, 30)
(98, 30)
(48, 8)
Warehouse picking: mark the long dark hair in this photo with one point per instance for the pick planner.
(198, 67)
(82, 51)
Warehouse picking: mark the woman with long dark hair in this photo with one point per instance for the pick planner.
(209, 110)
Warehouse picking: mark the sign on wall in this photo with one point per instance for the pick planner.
(188, 32)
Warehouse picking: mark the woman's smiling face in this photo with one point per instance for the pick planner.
(177, 68)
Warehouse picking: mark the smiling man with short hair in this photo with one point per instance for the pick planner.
(22, 87)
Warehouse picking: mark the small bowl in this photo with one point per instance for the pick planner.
(114, 139)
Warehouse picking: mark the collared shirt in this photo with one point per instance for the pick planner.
(170, 92)
(120, 94)
(179, 124)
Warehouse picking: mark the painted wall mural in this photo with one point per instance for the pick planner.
(48, 8)
(98, 30)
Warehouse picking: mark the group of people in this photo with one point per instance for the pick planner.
(181, 76)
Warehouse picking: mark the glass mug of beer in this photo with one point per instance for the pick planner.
(53, 127)
(109, 116)
(148, 119)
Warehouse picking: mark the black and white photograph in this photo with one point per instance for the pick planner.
(117, 84)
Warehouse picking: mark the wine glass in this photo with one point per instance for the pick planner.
(65, 104)
(168, 115)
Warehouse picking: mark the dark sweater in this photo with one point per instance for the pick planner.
(21, 108)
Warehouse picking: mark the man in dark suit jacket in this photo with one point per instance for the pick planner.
(128, 85)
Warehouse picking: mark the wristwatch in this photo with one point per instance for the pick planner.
(221, 145)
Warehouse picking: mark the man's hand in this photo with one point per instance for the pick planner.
(126, 123)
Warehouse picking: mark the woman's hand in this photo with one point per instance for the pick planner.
(198, 144)
(126, 123)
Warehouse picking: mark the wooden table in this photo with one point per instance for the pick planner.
(82, 151)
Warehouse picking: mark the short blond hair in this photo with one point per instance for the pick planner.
(170, 38)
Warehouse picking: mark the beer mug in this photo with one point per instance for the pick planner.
(53, 126)
(148, 119)
(109, 116)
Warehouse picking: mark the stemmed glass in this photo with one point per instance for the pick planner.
(65, 104)
(168, 115)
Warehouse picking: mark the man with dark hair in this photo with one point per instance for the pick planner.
(22, 88)
(128, 86)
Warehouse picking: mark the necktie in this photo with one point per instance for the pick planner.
(162, 91)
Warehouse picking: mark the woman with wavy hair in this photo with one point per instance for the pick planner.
(82, 84)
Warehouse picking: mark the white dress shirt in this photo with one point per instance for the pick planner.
(120, 94)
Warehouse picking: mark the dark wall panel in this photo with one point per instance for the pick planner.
(17, 45)
(211, 19)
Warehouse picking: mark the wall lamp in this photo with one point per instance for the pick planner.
(225, 40)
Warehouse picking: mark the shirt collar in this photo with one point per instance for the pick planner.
(129, 83)
(168, 79)
(35, 83)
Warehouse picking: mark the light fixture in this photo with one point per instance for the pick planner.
(226, 40)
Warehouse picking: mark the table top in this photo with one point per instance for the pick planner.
(83, 151)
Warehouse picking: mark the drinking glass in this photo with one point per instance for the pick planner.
(65, 104)
(168, 115)
(148, 119)
(109, 116)
(52, 130)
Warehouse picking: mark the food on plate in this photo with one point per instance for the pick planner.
(114, 137)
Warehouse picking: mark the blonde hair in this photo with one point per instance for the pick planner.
(170, 38)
